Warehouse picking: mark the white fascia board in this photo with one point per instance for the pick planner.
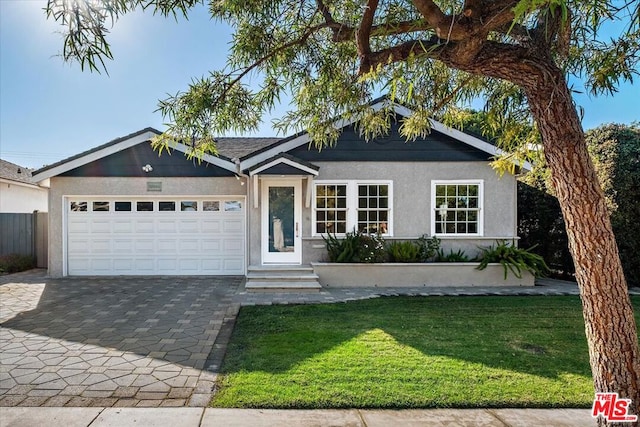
(289, 145)
(96, 155)
(214, 160)
(22, 184)
(286, 162)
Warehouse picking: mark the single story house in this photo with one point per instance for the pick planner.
(263, 204)
(19, 192)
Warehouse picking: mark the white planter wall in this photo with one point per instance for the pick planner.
(348, 275)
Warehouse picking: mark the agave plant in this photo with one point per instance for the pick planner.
(513, 259)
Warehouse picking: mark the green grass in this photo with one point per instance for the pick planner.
(406, 352)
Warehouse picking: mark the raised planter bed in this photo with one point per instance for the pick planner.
(349, 275)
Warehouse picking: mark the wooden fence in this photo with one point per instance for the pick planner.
(25, 234)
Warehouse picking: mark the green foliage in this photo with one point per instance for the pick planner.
(428, 247)
(307, 51)
(406, 251)
(615, 151)
(541, 228)
(457, 256)
(513, 259)
(355, 247)
(15, 263)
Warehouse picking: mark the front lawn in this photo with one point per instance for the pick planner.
(410, 352)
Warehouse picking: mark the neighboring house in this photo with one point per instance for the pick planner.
(19, 192)
(120, 209)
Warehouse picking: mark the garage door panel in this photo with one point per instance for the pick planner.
(211, 225)
(122, 226)
(233, 226)
(145, 265)
(189, 226)
(100, 265)
(189, 266)
(167, 246)
(145, 226)
(167, 226)
(167, 265)
(101, 246)
(80, 266)
(233, 266)
(100, 226)
(212, 245)
(233, 246)
(78, 225)
(144, 245)
(123, 264)
(211, 265)
(154, 242)
(189, 245)
(79, 246)
(123, 246)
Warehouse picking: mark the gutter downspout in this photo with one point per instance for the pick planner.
(247, 243)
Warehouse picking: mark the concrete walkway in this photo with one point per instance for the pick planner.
(194, 417)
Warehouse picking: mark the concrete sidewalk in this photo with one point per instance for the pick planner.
(210, 417)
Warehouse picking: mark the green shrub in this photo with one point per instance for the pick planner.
(457, 256)
(356, 247)
(428, 247)
(513, 259)
(14, 263)
(407, 251)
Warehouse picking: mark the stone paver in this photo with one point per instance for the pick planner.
(125, 342)
(97, 341)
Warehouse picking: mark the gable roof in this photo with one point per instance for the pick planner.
(13, 172)
(302, 138)
(228, 148)
(247, 153)
(284, 164)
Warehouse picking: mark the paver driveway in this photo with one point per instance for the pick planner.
(109, 342)
(143, 341)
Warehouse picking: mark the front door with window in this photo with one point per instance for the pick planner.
(281, 221)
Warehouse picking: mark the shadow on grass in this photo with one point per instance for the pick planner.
(541, 336)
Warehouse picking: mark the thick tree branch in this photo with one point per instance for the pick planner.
(343, 32)
(363, 34)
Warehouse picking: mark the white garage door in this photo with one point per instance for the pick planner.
(142, 236)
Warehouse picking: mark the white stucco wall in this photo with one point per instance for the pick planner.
(411, 202)
(63, 187)
(16, 197)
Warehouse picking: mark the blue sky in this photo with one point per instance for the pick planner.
(50, 110)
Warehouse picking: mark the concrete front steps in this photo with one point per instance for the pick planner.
(282, 278)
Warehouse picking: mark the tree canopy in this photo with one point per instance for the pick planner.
(333, 57)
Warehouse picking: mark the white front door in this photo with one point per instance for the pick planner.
(281, 221)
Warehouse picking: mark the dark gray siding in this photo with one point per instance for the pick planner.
(129, 163)
(436, 147)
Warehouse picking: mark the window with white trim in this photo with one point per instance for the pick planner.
(456, 208)
(342, 206)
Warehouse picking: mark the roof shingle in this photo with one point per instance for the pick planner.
(14, 172)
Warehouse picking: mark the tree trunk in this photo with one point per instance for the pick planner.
(608, 315)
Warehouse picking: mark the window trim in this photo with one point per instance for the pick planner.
(352, 203)
(434, 208)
